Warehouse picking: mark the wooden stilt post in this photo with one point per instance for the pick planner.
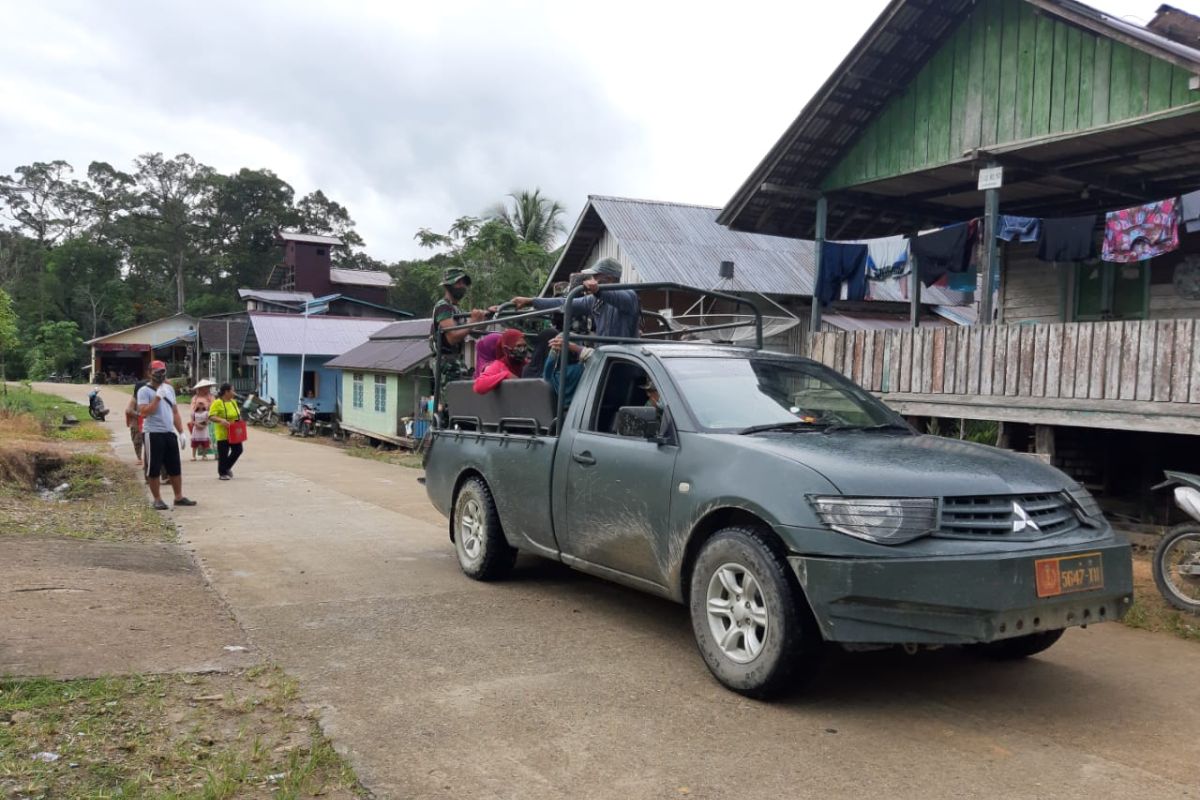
(818, 259)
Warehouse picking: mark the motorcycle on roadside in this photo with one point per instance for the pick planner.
(1177, 557)
(258, 412)
(96, 408)
(304, 420)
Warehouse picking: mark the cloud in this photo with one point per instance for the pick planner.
(412, 114)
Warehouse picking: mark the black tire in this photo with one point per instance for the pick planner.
(270, 420)
(483, 552)
(1018, 647)
(789, 644)
(1161, 553)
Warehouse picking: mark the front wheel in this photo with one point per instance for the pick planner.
(1177, 567)
(483, 552)
(270, 419)
(750, 619)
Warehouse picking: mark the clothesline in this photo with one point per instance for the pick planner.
(945, 255)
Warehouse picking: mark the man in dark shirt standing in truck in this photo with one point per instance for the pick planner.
(455, 282)
(613, 313)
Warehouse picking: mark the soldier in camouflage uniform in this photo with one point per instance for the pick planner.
(455, 283)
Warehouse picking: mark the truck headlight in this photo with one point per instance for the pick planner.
(883, 520)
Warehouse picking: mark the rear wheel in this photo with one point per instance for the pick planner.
(483, 552)
(1177, 567)
(750, 619)
(1018, 647)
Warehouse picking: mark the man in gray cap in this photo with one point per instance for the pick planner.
(613, 313)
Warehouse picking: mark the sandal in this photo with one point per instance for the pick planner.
(183, 501)
(159, 505)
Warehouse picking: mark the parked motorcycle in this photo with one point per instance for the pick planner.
(1177, 558)
(304, 421)
(258, 412)
(96, 408)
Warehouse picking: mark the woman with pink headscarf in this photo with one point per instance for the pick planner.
(487, 350)
(511, 360)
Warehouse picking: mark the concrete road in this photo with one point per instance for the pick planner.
(555, 684)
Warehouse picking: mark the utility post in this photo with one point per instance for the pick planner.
(990, 181)
(818, 259)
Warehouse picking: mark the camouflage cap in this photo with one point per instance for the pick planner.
(453, 275)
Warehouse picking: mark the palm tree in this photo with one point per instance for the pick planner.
(533, 218)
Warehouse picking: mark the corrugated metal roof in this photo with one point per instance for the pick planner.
(360, 277)
(308, 238)
(137, 327)
(274, 295)
(405, 329)
(293, 334)
(385, 355)
(872, 322)
(684, 244)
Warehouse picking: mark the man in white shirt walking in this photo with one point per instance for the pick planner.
(162, 429)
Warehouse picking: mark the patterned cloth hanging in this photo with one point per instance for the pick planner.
(1141, 232)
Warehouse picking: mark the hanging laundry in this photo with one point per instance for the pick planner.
(1141, 232)
(1068, 239)
(942, 251)
(1022, 229)
(842, 264)
(962, 281)
(1190, 203)
(887, 258)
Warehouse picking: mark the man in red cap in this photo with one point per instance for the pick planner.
(162, 428)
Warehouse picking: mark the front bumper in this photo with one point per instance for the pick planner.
(955, 599)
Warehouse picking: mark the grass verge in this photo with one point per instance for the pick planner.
(25, 413)
(402, 458)
(206, 736)
(1150, 612)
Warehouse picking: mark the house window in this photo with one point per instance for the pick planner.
(381, 393)
(357, 391)
(1111, 291)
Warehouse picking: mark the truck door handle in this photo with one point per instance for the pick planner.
(585, 458)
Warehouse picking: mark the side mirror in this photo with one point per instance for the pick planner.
(639, 422)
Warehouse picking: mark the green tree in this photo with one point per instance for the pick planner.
(168, 223)
(57, 348)
(83, 278)
(43, 200)
(9, 338)
(533, 218)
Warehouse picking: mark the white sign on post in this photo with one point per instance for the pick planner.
(991, 178)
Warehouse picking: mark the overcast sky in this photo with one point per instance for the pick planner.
(412, 114)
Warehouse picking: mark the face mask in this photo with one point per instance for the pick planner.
(458, 292)
(157, 377)
(518, 353)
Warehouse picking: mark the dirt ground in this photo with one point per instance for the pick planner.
(122, 673)
(554, 684)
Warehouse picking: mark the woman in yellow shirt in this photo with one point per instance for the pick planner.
(223, 411)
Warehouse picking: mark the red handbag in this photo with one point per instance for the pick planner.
(237, 432)
(237, 427)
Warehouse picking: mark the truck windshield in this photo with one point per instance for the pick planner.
(759, 394)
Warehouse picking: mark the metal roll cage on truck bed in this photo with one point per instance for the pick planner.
(787, 508)
(566, 310)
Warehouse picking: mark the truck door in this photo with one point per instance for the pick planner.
(618, 487)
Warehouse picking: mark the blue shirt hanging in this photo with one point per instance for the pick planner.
(842, 264)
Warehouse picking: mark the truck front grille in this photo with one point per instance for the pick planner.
(1024, 516)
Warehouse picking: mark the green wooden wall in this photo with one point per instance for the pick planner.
(1008, 74)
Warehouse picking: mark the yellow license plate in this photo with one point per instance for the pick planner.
(1069, 574)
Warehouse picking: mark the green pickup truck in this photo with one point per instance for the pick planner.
(784, 505)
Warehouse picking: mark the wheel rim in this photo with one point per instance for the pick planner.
(738, 616)
(1181, 568)
(470, 528)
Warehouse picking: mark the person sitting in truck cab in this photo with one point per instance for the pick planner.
(512, 354)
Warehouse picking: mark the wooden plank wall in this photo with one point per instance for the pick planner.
(1144, 361)
(1008, 74)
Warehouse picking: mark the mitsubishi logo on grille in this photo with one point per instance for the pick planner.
(1022, 521)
